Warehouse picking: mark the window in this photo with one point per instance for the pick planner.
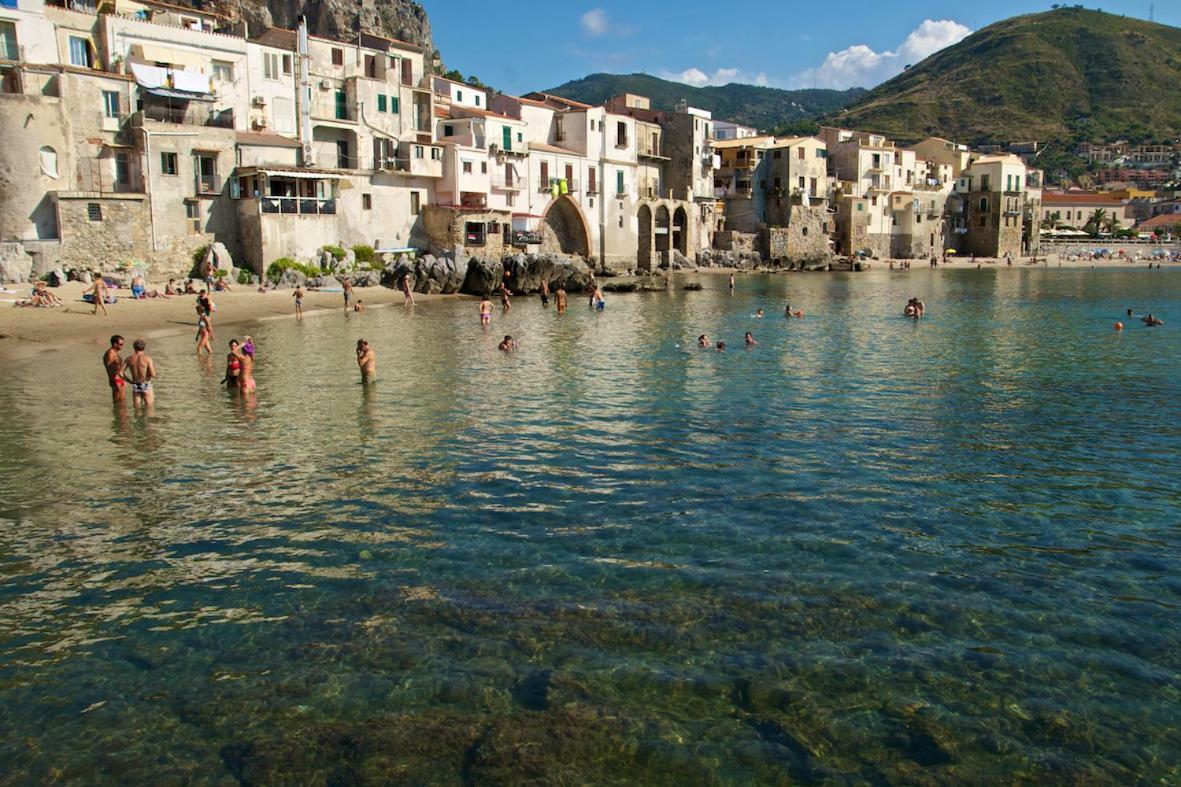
(544, 179)
(205, 165)
(448, 131)
(821, 153)
(591, 186)
(984, 204)
(222, 71)
(483, 167)
(283, 111)
(168, 163)
(467, 167)
(380, 103)
(459, 95)
(79, 52)
(193, 215)
(287, 65)
(621, 135)
(110, 103)
(394, 104)
(8, 48)
(520, 137)
(94, 211)
(48, 158)
(337, 57)
(436, 154)
(418, 151)
(801, 183)
(800, 152)
(619, 182)
(415, 203)
(804, 232)
(366, 202)
(477, 99)
(474, 233)
(371, 66)
(342, 105)
(270, 65)
(122, 169)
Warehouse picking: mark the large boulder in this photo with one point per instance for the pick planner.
(525, 273)
(219, 256)
(366, 279)
(483, 277)
(16, 264)
(444, 274)
(291, 279)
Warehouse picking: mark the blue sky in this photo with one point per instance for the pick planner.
(528, 45)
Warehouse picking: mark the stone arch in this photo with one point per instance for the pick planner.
(680, 229)
(564, 228)
(644, 252)
(663, 231)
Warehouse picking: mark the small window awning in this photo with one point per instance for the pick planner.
(171, 83)
(179, 95)
(297, 174)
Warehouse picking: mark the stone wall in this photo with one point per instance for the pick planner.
(852, 225)
(732, 240)
(121, 235)
(990, 232)
(804, 239)
(445, 230)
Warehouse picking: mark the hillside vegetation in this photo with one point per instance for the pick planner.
(1065, 74)
(761, 107)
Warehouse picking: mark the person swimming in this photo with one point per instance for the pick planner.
(750, 339)
(703, 341)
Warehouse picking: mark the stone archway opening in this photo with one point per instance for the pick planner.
(644, 251)
(680, 238)
(663, 231)
(563, 230)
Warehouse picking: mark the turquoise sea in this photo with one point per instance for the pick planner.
(868, 550)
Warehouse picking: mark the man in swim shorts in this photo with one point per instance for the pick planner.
(142, 371)
(113, 363)
(366, 362)
(298, 295)
(485, 312)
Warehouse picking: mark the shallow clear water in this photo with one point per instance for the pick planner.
(867, 550)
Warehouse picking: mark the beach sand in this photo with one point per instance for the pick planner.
(26, 332)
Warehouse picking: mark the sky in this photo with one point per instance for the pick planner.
(533, 45)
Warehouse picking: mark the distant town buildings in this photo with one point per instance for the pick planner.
(140, 131)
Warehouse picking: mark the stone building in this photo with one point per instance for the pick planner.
(996, 208)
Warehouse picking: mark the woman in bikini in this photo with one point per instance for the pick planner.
(246, 378)
(233, 377)
(204, 333)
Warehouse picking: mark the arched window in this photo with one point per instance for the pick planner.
(984, 204)
(48, 157)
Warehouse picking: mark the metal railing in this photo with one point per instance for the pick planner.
(208, 184)
(303, 206)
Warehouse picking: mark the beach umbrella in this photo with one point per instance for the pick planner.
(949, 251)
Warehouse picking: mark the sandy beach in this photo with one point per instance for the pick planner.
(25, 332)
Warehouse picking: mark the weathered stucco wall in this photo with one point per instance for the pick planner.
(120, 235)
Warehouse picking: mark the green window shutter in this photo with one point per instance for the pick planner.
(342, 106)
(394, 104)
(506, 135)
(380, 103)
(618, 181)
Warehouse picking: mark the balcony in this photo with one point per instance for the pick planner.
(502, 183)
(651, 151)
(302, 206)
(208, 184)
(561, 185)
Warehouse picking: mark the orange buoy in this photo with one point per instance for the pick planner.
(1119, 326)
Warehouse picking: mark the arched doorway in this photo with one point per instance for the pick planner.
(563, 229)
(681, 231)
(662, 234)
(644, 252)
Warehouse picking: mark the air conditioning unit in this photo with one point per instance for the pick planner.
(325, 84)
(260, 123)
(258, 101)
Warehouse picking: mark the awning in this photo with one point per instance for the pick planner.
(298, 174)
(160, 54)
(182, 95)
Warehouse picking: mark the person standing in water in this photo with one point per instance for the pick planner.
(346, 287)
(731, 281)
(544, 292)
(204, 333)
(485, 312)
(561, 300)
(142, 371)
(113, 363)
(233, 377)
(298, 295)
(505, 292)
(366, 362)
(407, 290)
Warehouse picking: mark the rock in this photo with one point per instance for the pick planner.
(326, 262)
(56, 278)
(366, 279)
(350, 260)
(220, 256)
(483, 277)
(680, 260)
(439, 274)
(526, 272)
(693, 287)
(43, 263)
(291, 279)
(85, 277)
(16, 264)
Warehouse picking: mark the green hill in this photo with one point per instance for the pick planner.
(761, 107)
(1060, 75)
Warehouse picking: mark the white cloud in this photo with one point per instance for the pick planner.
(595, 22)
(861, 66)
(723, 76)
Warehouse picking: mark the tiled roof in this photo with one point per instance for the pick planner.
(1166, 220)
(1062, 198)
(267, 138)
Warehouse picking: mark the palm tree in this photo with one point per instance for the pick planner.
(1052, 222)
(1112, 224)
(1095, 222)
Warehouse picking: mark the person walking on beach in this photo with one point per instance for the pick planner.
(346, 287)
(142, 371)
(407, 290)
(99, 292)
(113, 363)
(561, 295)
(298, 295)
(204, 334)
(485, 312)
(366, 362)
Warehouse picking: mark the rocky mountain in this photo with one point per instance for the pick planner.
(1067, 74)
(404, 20)
(762, 107)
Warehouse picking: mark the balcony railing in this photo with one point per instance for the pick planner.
(303, 206)
(208, 184)
(504, 183)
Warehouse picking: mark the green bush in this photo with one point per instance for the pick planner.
(364, 253)
(220, 273)
(198, 257)
(243, 276)
(335, 251)
(276, 268)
